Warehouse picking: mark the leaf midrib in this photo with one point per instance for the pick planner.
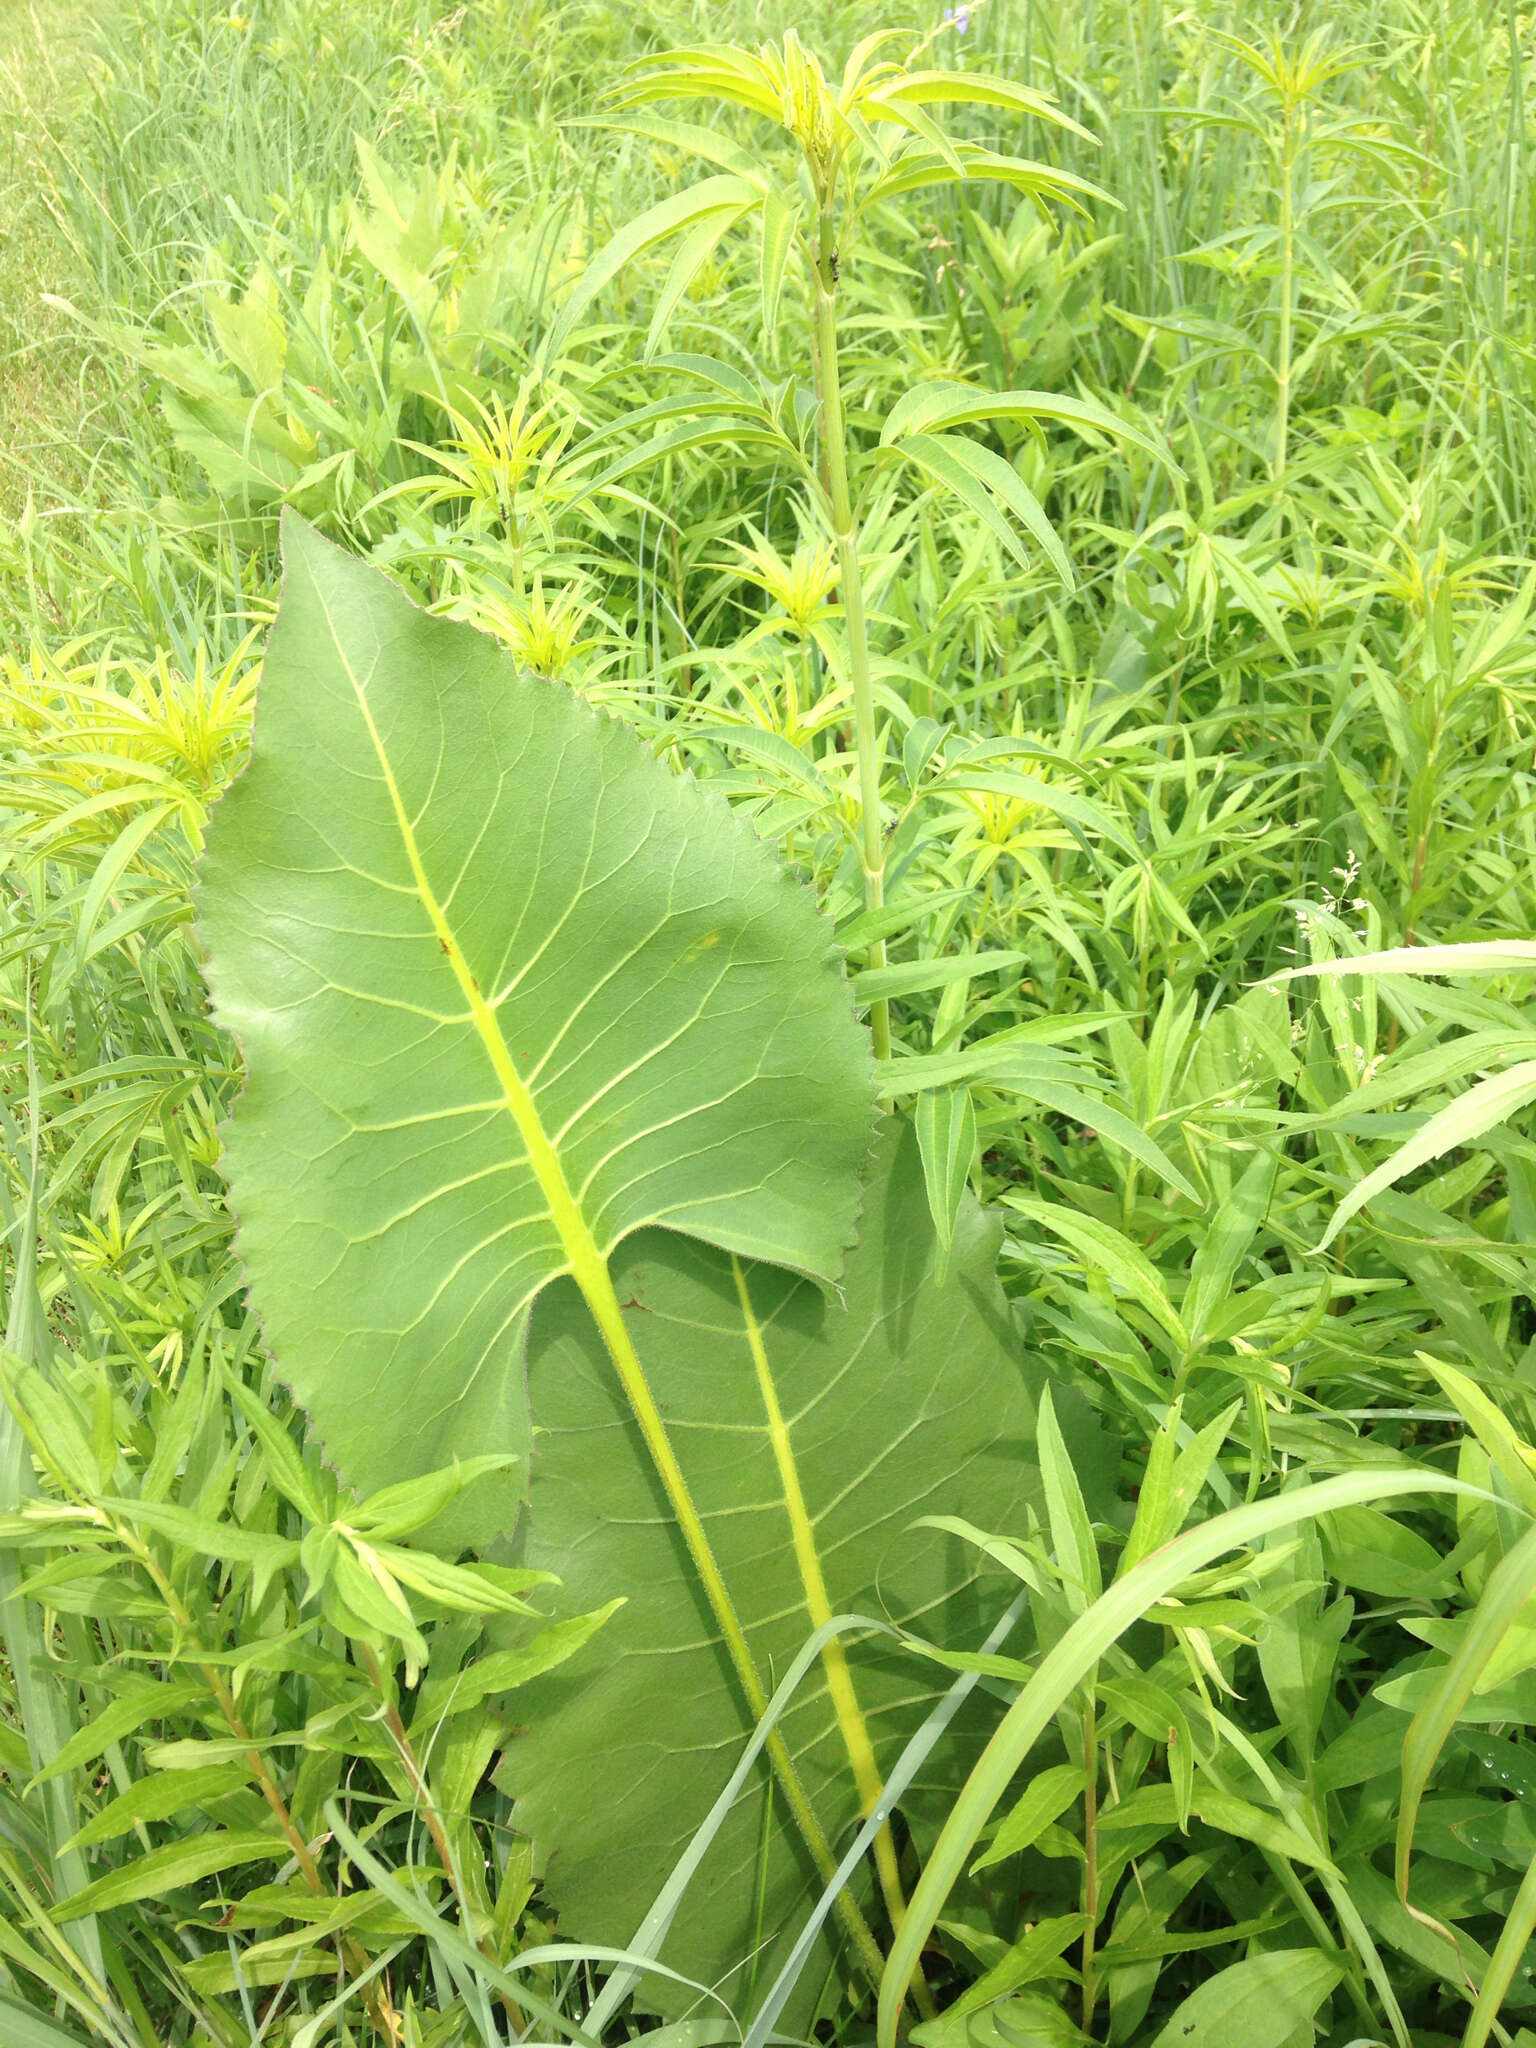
(582, 1257)
(845, 1702)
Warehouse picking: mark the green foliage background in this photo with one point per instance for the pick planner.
(306, 252)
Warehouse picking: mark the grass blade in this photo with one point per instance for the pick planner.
(1510, 1584)
(1074, 1657)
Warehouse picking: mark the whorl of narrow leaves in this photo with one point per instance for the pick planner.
(508, 990)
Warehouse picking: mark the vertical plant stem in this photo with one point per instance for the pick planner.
(679, 599)
(431, 1813)
(1287, 285)
(375, 1995)
(1090, 1859)
(266, 1784)
(418, 1783)
(850, 576)
(44, 1706)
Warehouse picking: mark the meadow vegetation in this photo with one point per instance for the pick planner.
(1046, 508)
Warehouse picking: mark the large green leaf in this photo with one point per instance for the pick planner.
(1266, 2001)
(508, 991)
(809, 1458)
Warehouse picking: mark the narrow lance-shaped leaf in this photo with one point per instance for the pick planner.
(160, 1796)
(691, 136)
(991, 488)
(1499, 956)
(1514, 1459)
(692, 253)
(945, 1121)
(933, 408)
(167, 1869)
(915, 170)
(814, 1435)
(726, 199)
(972, 89)
(713, 70)
(781, 220)
(911, 977)
(508, 991)
(1484, 1106)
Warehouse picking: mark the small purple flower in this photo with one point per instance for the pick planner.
(957, 18)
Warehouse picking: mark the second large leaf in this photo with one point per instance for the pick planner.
(814, 1435)
(508, 991)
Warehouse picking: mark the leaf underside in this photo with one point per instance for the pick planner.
(906, 1399)
(476, 942)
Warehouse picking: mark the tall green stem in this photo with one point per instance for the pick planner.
(1090, 1859)
(846, 532)
(1287, 286)
(42, 1696)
